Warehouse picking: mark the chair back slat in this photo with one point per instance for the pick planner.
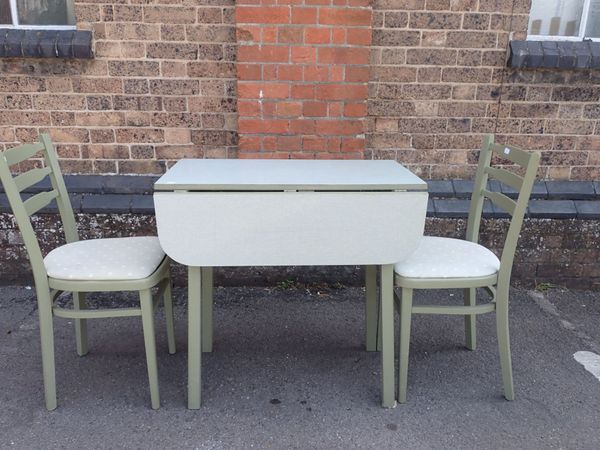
(58, 184)
(22, 210)
(514, 230)
(38, 201)
(501, 200)
(523, 184)
(504, 176)
(528, 163)
(481, 177)
(31, 177)
(19, 154)
(513, 154)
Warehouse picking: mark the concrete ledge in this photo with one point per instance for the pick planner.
(573, 190)
(552, 209)
(587, 209)
(107, 194)
(143, 184)
(100, 184)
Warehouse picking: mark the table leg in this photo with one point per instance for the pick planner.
(194, 337)
(372, 308)
(386, 288)
(207, 309)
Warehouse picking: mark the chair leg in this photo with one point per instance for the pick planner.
(80, 324)
(470, 320)
(150, 343)
(405, 319)
(371, 308)
(379, 320)
(168, 299)
(47, 347)
(504, 346)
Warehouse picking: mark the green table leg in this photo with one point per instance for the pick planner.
(372, 308)
(386, 287)
(194, 338)
(207, 309)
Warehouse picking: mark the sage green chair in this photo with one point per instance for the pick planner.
(117, 264)
(445, 263)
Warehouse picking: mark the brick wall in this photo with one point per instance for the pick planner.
(439, 83)
(302, 77)
(161, 87)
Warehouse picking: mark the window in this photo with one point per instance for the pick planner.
(564, 20)
(37, 14)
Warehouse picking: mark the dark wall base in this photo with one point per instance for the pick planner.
(560, 251)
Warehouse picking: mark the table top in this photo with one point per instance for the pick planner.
(280, 175)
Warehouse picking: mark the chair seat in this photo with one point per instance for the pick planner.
(438, 257)
(130, 258)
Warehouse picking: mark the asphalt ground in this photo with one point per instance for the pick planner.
(289, 370)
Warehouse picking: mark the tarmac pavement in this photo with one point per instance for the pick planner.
(289, 370)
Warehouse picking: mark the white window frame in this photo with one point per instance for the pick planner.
(17, 25)
(585, 14)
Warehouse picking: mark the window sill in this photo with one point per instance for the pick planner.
(18, 43)
(554, 55)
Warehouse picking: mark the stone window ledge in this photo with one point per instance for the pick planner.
(17, 43)
(554, 55)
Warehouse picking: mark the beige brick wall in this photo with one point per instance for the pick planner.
(161, 87)
(439, 82)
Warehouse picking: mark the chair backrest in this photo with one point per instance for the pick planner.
(23, 209)
(528, 163)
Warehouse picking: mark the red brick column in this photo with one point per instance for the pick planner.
(303, 68)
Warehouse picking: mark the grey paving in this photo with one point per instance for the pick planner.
(440, 188)
(460, 208)
(463, 188)
(560, 209)
(128, 184)
(86, 184)
(573, 190)
(430, 208)
(289, 371)
(539, 190)
(588, 209)
(451, 208)
(143, 204)
(108, 203)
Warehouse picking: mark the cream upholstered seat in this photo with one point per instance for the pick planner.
(128, 258)
(439, 257)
